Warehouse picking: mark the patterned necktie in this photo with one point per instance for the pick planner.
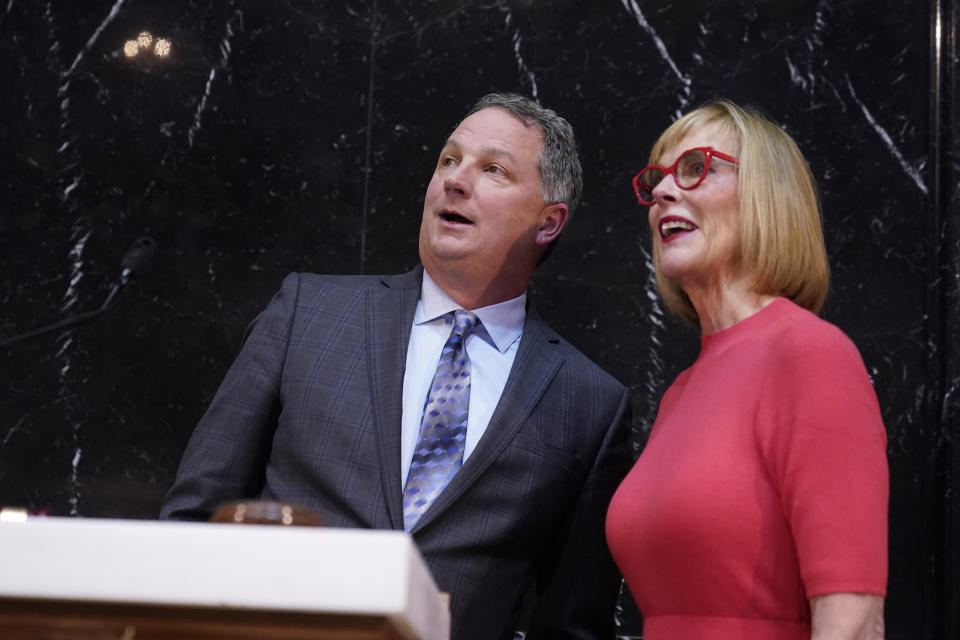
(443, 429)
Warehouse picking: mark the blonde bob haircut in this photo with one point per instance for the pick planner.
(781, 237)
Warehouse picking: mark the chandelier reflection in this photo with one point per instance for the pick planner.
(145, 46)
(162, 48)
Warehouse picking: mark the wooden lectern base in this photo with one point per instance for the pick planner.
(32, 620)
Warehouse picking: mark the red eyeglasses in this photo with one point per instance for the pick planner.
(689, 171)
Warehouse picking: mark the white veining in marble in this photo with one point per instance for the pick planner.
(74, 481)
(225, 50)
(517, 40)
(653, 385)
(685, 80)
(114, 10)
(909, 169)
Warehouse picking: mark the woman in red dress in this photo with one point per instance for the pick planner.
(758, 509)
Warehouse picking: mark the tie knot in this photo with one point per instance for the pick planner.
(464, 322)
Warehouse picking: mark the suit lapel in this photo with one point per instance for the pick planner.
(538, 359)
(390, 310)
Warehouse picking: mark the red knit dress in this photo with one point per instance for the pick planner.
(764, 483)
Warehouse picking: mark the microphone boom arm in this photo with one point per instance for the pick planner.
(138, 258)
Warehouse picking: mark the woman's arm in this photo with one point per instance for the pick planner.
(847, 616)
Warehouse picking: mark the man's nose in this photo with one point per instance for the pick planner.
(457, 181)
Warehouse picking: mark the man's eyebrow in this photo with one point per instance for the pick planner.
(498, 152)
(487, 152)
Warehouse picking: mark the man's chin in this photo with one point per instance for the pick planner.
(446, 249)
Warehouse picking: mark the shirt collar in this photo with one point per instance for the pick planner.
(503, 321)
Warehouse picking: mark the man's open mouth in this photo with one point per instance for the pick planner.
(454, 217)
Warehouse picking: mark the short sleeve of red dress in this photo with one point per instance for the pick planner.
(822, 441)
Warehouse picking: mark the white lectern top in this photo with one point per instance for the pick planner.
(248, 566)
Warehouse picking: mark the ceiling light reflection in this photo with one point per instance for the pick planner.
(146, 47)
(162, 48)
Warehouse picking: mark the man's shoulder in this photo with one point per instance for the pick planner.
(577, 363)
(310, 284)
(352, 281)
(588, 367)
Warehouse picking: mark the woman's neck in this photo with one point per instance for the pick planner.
(722, 306)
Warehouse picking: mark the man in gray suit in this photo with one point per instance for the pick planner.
(503, 477)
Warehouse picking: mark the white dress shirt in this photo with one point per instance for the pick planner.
(491, 348)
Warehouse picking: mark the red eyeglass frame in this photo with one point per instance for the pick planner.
(708, 153)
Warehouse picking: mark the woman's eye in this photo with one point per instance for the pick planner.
(692, 169)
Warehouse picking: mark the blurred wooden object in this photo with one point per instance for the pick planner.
(266, 512)
(86, 579)
(46, 620)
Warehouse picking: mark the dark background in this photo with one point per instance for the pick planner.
(300, 135)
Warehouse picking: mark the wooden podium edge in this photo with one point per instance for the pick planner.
(27, 619)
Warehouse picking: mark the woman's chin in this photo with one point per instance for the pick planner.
(680, 270)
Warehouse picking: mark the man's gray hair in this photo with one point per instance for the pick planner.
(561, 176)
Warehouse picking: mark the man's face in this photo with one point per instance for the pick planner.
(483, 211)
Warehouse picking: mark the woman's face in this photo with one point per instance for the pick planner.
(698, 229)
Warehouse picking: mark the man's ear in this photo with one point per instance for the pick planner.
(552, 221)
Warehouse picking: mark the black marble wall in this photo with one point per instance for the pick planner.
(300, 135)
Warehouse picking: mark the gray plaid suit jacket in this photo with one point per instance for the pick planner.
(309, 413)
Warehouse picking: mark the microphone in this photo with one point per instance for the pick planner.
(137, 260)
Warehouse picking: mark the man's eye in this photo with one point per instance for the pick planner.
(495, 170)
(447, 161)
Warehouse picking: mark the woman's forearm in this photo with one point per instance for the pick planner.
(847, 616)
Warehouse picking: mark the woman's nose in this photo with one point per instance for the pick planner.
(666, 189)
